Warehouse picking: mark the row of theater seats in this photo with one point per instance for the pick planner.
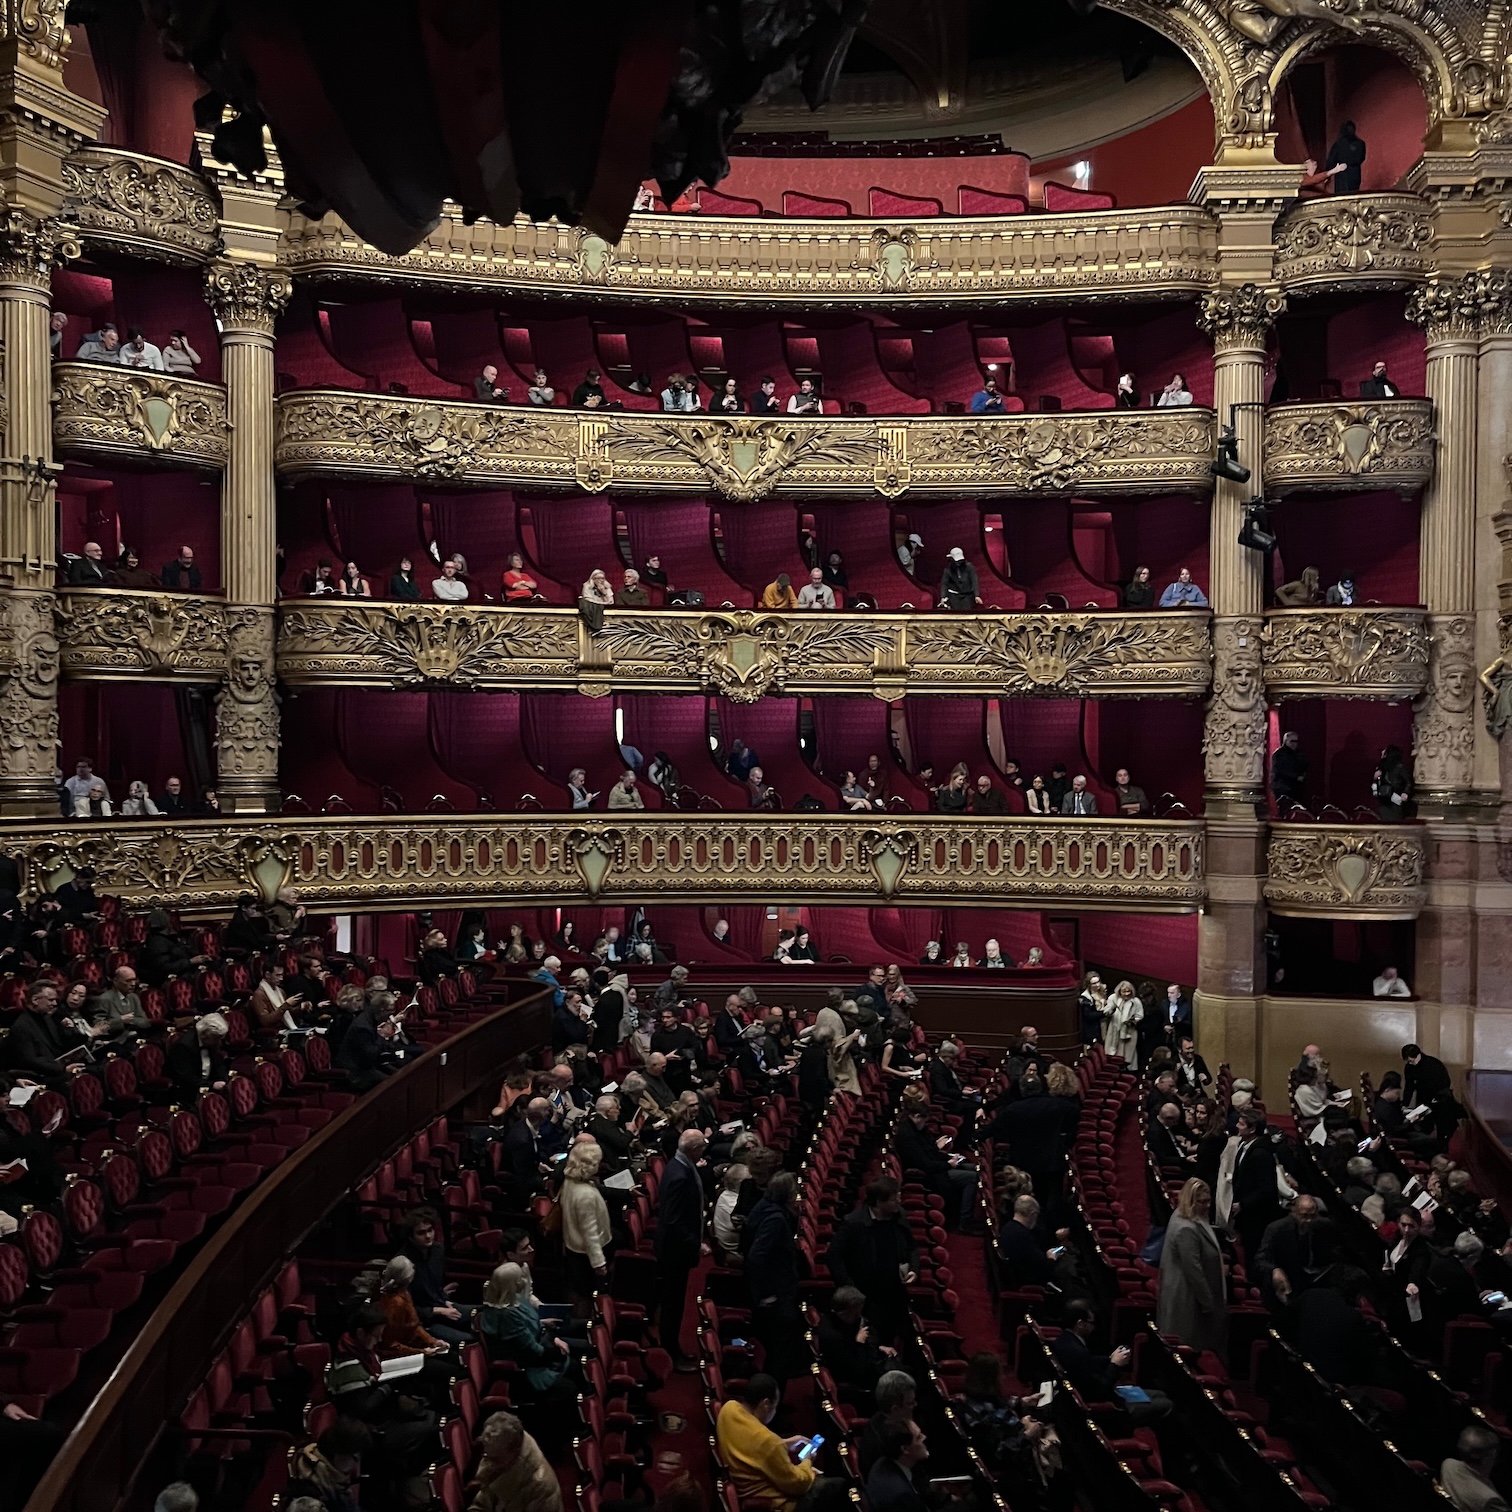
(426, 349)
(888, 203)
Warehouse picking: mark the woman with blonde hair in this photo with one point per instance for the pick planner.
(1089, 1005)
(586, 1236)
(1060, 1081)
(512, 1329)
(1122, 1014)
(1193, 1304)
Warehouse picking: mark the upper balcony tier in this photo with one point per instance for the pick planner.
(143, 206)
(1354, 871)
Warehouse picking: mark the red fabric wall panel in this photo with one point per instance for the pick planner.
(376, 524)
(384, 738)
(682, 534)
(846, 932)
(1040, 732)
(374, 339)
(1160, 344)
(467, 340)
(943, 731)
(1067, 197)
(302, 358)
(851, 178)
(1377, 331)
(761, 540)
(679, 725)
(904, 932)
(560, 731)
(1328, 534)
(1163, 535)
(1152, 166)
(482, 526)
(1042, 360)
(887, 202)
(847, 731)
(660, 348)
(161, 511)
(1153, 945)
(566, 349)
(128, 731)
(477, 740)
(852, 373)
(161, 300)
(1159, 740)
(1042, 558)
(863, 535)
(573, 536)
(1016, 930)
(1343, 742)
(752, 353)
(770, 728)
(311, 764)
(952, 523)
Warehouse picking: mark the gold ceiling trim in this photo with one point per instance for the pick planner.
(1346, 871)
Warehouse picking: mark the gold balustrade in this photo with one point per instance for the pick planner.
(105, 634)
(1349, 445)
(1367, 241)
(1355, 871)
(1345, 653)
(102, 413)
(144, 206)
(484, 859)
(746, 654)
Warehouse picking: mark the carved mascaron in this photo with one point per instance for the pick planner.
(1364, 444)
(110, 632)
(141, 205)
(1346, 653)
(101, 410)
(1355, 871)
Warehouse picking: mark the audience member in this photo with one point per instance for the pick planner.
(1390, 984)
(779, 594)
(137, 352)
(1378, 385)
(1304, 593)
(806, 401)
(987, 400)
(625, 794)
(1289, 772)
(764, 1470)
(1140, 593)
(512, 1474)
(764, 401)
(486, 385)
(873, 1250)
(1183, 593)
(1342, 593)
(890, 1484)
(816, 593)
(1466, 1476)
(1079, 801)
(88, 570)
(541, 391)
(681, 394)
(632, 595)
(1125, 394)
(1129, 800)
(182, 575)
(1175, 394)
(449, 588)
(589, 394)
(1193, 1295)
(103, 345)
(1095, 1377)
(679, 1240)
(178, 356)
(960, 589)
(1346, 158)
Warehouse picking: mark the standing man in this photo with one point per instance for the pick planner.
(1256, 1204)
(771, 1268)
(679, 1240)
(873, 1250)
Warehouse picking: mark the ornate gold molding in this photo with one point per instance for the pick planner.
(326, 433)
(32, 246)
(746, 654)
(1167, 251)
(1233, 735)
(418, 862)
(109, 633)
(101, 411)
(1346, 871)
(1346, 653)
(1373, 241)
(1448, 308)
(1443, 728)
(246, 296)
(1345, 446)
(28, 703)
(1239, 318)
(145, 206)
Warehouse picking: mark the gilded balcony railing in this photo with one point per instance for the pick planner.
(746, 654)
(446, 860)
(1346, 653)
(105, 634)
(333, 433)
(1349, 445)
(1376, 241)
(1353, 871)
(144, 206)
(102, 413)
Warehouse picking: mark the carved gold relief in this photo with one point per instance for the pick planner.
(1379, 240)
(1346, 653)
(101, 410)
(321, 432)
(28, 704)
(141, 205)
(1371, 444)
(111, 632)
(1443, 728)
(746, 654)
(1353, 871)
(420, 861)
(1233, 736)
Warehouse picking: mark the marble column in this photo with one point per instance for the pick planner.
(247, 298)
(29, 246)
(1230, 941)
(1443, 733)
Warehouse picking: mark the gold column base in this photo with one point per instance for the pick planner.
(242, 797)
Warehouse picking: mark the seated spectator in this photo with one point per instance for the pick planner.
(1037, 798)
(806, 401)
(129, 572)
(890, 1484)
(987, 799)
(1378, 385)
(625, 794)
(436, 958)
(519, 586)
(1165, 1138)
(589, 394)
(632, 595)
(954, 796)
(595, 596)
(368, 1051)
(248, 931)
(1126, 394)
(1341, 594)
(138, 352)
(1390, 984)
(486, 385)
(103, 345)
(403, 1333)
(88, 570)
(57, 323)
(541, 391)
(987, 400)
(406, 1433)
(174, 801)
(1128, 800)
(764, 401)
(1391, 787)
(178, 356)
(960, 589)
(402, 584)
(512, 1329)
(780, 595)
(741, 761)
(1079, 801)
(1175, 394)
(40, 1037)
(1139, 594)
(449, 588)
(921, 1149)
(352, 584)
(816, 593)
(164, 952)
(512, 1474)
(119, 1008)
(853, 794)
(1331, 1332)
(319, 580)
(1183, 593)
(1095, 1376)
(137, 804)
(762, 1468)
(728, 401)
(1304, 592)
(681, 394)
(876, 781)
(195, 1060)
(759, 792)
(181, 575)
(993, 1423)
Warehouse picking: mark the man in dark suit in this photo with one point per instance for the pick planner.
(1038, 1130)
(1175, 1017)
(76, 897)
(1378, 385)
(846, 1346)
(1294, 1252)
(946, 1089)
(1192, 1074)
(873, 1250)
(679, 1239)
(1094, 1377)
(918, 1147)
(1022, 1253)
(729, 1026)
(1426, 1080)
(38, 1037)
(366, 1049)
(1164, 1148)
(1256, 1203)
(613, 1138)
(1332, 1335)
(528, 1145)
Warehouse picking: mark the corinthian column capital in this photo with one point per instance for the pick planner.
(31, 246)
(1448, 309)
(1240, 318)
(246, 297)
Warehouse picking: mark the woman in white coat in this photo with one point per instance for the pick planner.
(1121, 1015)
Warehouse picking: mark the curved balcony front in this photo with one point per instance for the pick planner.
(1349, 446)
(1371, 653)
(105, 413)
(110, 634)
(1353, 871)
(745, 654)
(144, 206)
(1365, 241)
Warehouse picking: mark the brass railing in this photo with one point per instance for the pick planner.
(435, 861)
(102, 412)
(1346, 653)
(1349, 444)
(746, 654)
(1354, 871)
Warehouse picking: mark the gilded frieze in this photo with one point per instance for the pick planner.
(1349, 445)
(1346, 653)
(106, 633)
(1358, 871)
(144, 206)
(1370, 240)
(104, 412)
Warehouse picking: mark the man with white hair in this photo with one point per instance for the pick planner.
(87, 571)
(529, 1145)
(816, 593)
(960, 589)
(194, 1061)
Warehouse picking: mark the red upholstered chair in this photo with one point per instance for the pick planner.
(155, 1004)
(136, 929)
(73, 941)
(1067, 197)
(149, 1059)
(974, 201)
(111, 935)
(180, 993)
(121, 1083)
(36, 1375)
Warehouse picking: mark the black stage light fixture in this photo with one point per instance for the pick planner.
(1256, 532)
(1227, 464)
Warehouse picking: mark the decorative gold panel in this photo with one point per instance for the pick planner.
(109, 633)
(1346, 653)
(1160, 251)
(746, 654)
(145, 206)
(102, 413)
(1349, 445)
(1372, 241)
(1351, 871)
(450, 860)
(325, 432)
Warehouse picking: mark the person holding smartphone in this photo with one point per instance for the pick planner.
(764, 1469)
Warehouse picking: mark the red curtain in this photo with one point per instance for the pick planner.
(573, 536)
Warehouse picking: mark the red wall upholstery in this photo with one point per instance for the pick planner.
(311, 761)
(128, 730)
(374, 339)
(1160, 743)
(560, 731)
(1016, 930)
(862, 533)
(477, 740)
(1163, 535)
(303, 357)
(1042, 555)
(1343, 742)
(679, 725)
(465, 342)
(1152, 166)
(852, 373)
(1160, 344)
(573, 536)
(1374, 331)
(1042, 365)
(851, 179)
(760, 541)
(384, 739)
(1375, 535)
(1154, 945)
(682, 534)
(959, 523)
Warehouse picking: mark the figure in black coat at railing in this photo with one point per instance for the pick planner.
(1426, 1080)
(960, 589)
(1348, 156)
(1288, 772)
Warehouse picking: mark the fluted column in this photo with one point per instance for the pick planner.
(246, 298)
(1239, 320)
(29, 245)
(1443, 733)
(1493, 451)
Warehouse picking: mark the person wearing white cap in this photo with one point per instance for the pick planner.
(959, 588)
(908, 553)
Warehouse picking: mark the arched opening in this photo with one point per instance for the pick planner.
(1375, 90)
